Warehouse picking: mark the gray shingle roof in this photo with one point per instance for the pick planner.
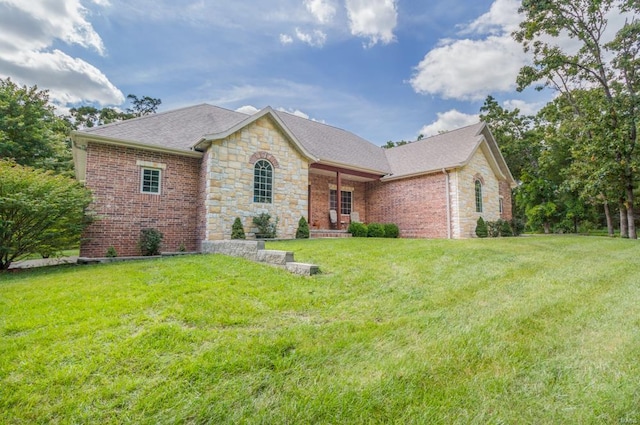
(446, 150)
(182, 129)
(177, 129)
(335, 145)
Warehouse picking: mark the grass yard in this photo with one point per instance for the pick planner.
(531, 330)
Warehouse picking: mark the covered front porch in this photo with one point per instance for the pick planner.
(337, 196)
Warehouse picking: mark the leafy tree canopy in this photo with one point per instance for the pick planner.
(39, 212)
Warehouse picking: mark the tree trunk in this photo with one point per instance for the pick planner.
(631, 219)
(547, 227)
(607, 214)
(624, 228)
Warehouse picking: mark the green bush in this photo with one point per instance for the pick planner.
(481, 228)
(266, 229)
(39, 212)
(303, 229)
(391, 230)
(237, 231)
(111, 252)
(150, 241)
(358, 230)
(376, 230)
(505, 228)
(493, 228)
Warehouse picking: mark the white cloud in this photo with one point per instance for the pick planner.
(248, 109)
(502, 18)
(526, 108)
(285, 39)
(29, 31)
(448, 121)
(322, 10)
(295, 112)
(316, 38)
(373, 19)
(470, 69)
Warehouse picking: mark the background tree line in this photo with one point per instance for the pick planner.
(577, 159)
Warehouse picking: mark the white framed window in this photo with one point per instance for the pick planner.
(501, 205)
(263, 182)
(346, 198)
(150, 180)
(478, 185)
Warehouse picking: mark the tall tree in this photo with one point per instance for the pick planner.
(566, 69)
(141, 106)
(89, 116)
(30, 132)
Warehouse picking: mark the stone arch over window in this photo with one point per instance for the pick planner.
(266, 156)
(263, 181)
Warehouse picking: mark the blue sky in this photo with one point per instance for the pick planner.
(383, 69)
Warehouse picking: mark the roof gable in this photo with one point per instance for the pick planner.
(453, 149)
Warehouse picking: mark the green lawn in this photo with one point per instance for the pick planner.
(524, 330)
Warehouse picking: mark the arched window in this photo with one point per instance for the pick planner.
(478, 196)
(263, 182)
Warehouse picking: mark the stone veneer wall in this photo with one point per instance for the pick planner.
(114, 179)
(463, 212)
(229, 181)
(417, 205)
(320, 186)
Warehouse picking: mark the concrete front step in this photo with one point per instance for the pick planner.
(329, 234)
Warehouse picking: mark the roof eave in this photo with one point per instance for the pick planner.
(78, 136)
(339, 164)
(392, 177)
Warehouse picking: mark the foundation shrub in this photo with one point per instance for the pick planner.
(150, 241)
(358, 230)
(376, 230)
(391, 230)
(237, 231)
(303, 229)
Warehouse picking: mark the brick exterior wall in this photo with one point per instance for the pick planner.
(229, 181)
(320, 186)
(417, 205)
(507, 202)
(113, 175)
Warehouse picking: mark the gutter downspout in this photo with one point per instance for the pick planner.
(446, 192)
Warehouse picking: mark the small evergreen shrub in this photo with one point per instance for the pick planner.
(303, 229)
(391, 230)
(150, 241)
(481, 228)
(505, 228)
(358, 230)
(111, 252)
(266, 229)
(493, 228)
(182, 247)
(376, 230)
(517, 226)
(237, 231)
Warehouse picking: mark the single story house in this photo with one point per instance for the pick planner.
(190, 172)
